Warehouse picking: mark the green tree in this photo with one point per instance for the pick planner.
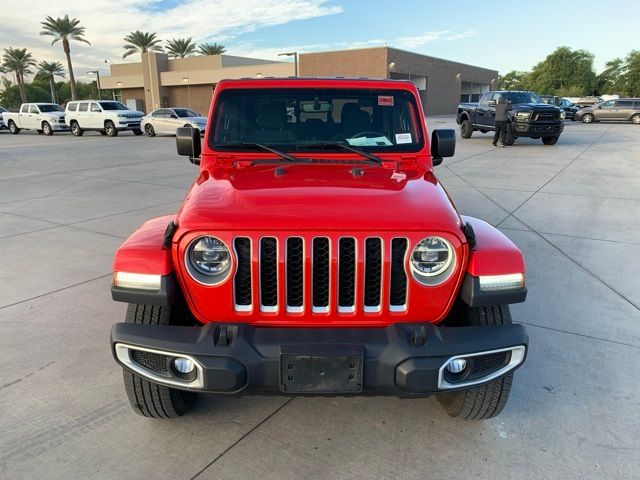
(143, 42)
(11, 97)
(564, 71)
(50, 70)
(513, 80)
(180, 47)
(211, 49)
(65, 29)
(19, 62)
(631, 75)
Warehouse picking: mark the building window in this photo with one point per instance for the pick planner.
(117, 95)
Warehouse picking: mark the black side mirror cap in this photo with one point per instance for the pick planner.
(443, 144)
(188, 143)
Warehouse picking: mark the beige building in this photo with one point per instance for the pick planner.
(158, 81)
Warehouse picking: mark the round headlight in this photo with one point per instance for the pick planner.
(431, 257)
(208, 260)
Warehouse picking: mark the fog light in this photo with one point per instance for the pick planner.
(184, 365)
(457, 365)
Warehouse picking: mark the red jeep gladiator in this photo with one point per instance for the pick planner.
(317, 253)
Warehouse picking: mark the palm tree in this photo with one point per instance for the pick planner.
(51, 70)
(65, 29)
(211, 49)
(18, 61)
(143, 42)
(181, 47)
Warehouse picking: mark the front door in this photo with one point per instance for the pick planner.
(32, 119)
(606, 110)
(486, 114)
(95, 116)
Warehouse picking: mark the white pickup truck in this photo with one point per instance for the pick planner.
(105, 116)
(44, 117)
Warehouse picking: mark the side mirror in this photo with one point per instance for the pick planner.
(188, 143)
(173, 115)
(492, 103)
(443, 144)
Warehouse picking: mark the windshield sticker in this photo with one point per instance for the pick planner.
(403, 138)
(369, 142)
(385, 100)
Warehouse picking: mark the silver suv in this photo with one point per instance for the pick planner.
(622, 109)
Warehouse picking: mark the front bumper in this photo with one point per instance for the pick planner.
(527, 129)
(402, 359)
(128, 125)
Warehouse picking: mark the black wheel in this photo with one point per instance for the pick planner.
(509, 138)
(487, 400)
(76, 130)
(466, 129)
(46, 128)
(550, 140)
(13, 128)
(102, 132)
(147, 398)
(137, 131)
(148, 129)
(110, 129)
(587, 118)
(636, 119)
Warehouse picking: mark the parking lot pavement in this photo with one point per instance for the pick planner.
(574, 209)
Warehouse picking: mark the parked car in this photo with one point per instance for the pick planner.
(318, 255)
(105, 116)
(530, 117)
(166, 120)
(2, 125)
(569, 108)
(587, 101)
(44, 117)
(622, 109)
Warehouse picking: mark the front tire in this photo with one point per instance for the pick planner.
(509, 138)
(485, 401)
(76, 130)
(148, 129)
(587, 118)
(636, 119)
(550, 140)
(466, 129)
(46, 129)
(147, 398)
(110, 129)
(13, 128)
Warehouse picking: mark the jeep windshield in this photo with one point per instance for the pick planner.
(112, 106)
(522, 97)
(299, 118)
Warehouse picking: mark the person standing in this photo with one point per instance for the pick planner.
(502, 120)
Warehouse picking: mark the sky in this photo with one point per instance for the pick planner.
(502, 35)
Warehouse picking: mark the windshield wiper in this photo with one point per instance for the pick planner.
(342, 146)
(245, 145)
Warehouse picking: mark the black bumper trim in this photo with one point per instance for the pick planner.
(474, 296)
(392, 362)
(165, 296)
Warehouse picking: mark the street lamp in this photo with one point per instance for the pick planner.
(295, 59)
(97, 72)
(186, 79)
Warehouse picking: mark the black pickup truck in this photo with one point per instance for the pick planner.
(529, 117)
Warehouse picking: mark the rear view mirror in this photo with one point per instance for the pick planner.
(443, 144)
(492, 103)
(188, 143)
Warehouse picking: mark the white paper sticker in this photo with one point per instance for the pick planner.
(403, 138)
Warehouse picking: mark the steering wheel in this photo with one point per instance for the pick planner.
(368, 133)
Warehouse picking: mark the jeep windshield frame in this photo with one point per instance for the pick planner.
(290, 118)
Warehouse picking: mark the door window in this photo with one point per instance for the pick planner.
(607, 104)
(72, 107)
(83, 107)
(624, 104)
(33, 109)
(95, 107)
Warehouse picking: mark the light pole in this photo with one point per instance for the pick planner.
(97, 72)
(295, 59)
(186, 79)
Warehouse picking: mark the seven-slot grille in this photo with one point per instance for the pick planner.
(333, 263)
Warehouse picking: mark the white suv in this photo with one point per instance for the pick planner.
(105, 116)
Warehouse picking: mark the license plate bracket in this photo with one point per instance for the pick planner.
(328, 371)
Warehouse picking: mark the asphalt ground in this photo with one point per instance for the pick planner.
(66, 204)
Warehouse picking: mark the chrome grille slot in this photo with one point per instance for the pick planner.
(346, 275)
(372, 274)
(320, 270)
(295, 274)
(398, 282)
(268, 274)
(242, 279)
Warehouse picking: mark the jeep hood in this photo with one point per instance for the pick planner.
(317, 197)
